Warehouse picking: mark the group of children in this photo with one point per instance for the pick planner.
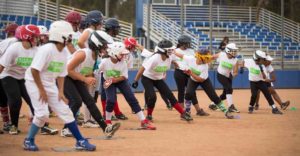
(61, 69)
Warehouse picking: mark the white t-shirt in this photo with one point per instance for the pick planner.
(254, 70)
(5, 43)
(129, 60)
(87, 66)
(200, 70)
(51, 64)
(225, 64)
(268, 71)
(16, 60)
(146, 53)
(182, 65)
(113, 70)
(155, 67)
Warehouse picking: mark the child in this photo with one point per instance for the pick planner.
(198, 71)
(257, 80)
(153, 72)
(269, 82)
(115, 73)
(48, 67)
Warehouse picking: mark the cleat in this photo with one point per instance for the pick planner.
(201, 112)
(213, 107)
(6, 126)
(145, 124)
(186, 116)
(276, 111)
(84, 145)
(29, 145)
(285, 105)
(228, 115)
(121, 117)
(232, 109)
(111, 129)
(66, 133)
(90, 124)
(13, 130)
(256, 106)
(46, 130)
(169, 106)
(250, 109)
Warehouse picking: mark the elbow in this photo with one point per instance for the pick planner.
(80, 44)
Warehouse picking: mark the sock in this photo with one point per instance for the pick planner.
(188, 104)
(273, 106)
(229, 99)
(222, 107)
(4, 113)
(32, 131)
(108, 115)
(74, 130)
(103, 102)
(108, 122)
(178, 108)
(117, 109)
(149, 111)
(141, 115)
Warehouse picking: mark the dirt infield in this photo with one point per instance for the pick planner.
(257, 134)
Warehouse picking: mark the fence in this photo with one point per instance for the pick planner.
(17, 7)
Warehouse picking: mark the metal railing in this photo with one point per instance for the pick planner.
(17, 7)
(162, 27)
(49, 10)
(272, 21)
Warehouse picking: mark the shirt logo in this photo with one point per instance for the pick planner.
(160, 69)
(86, 71)
(195, 71)
(55, 67)
(113, 73)
(226, 65)
(254, 71)
(24, 61)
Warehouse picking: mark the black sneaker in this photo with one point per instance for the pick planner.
(256, 106)
(213, 107)
(149, 117)
(228, 115)
(285, 105)
(201, 112)
(250, 109)
(232, 109)
(186, 116)
(121, 117)
(276, 111)
(6, 127)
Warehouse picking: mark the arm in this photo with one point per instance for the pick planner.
(1, 68)
(118, 79)
(272, 77)
(178, 54)
(196, 77)
(83, 38)
(60, 85)
(37, 79)
(139, 74)
(71, 48)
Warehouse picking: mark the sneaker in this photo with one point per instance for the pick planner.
(145, 124)
(232, 109)
(228, 115)
(29, 145)
(84, 144)
(276, 111)
(285, 105)
(14, 130)
(6, 126)
(65, 132)
(213, 106)
(90, 124)
(121, 117)
(201, 112)
(149, 117)
(256, 106)
(186, 116)
(111, 129)
(250, 109)
(47, 130)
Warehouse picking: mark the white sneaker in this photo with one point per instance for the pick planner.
(111, 129)
(66, 133)
(90, 124)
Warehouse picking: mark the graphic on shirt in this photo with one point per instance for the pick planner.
(226, 65)
(24, 61)
(86, 71)
(113, 73)
(55, 67)
(161, 69)
(195, 71)
(254, 71)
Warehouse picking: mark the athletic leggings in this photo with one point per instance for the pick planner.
(15, 89)
(262, 86)
(227, 85)
(207, 87)
(162, 87)
(3, 98)
(77, 92)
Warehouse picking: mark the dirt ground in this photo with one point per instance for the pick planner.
(258, 134)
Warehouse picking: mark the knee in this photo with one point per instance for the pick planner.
(66, 115)
(272, 91)
(40, 119)
(229, 90)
